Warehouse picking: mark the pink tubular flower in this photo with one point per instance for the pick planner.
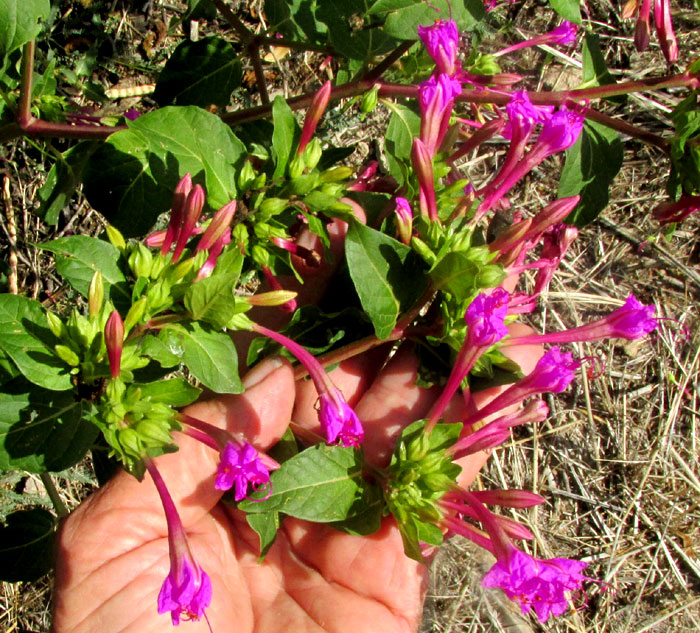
(339, 422)
(642, 29)
(559, 132)
(441, 40)
(631, 321)
(114, 341)
(240, 466)
(404, 220)
(553, 373)
(563, 35)
(273, 282)
(536, 584)
(485, 316)
(668, 212)
(436, 98)
(318, 106)
(186, 591)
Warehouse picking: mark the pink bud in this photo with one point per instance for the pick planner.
(423, 166)
(114, 341)
(193, 209)
(404, 220)
(182, 190)
(219, 223)
(314, 114)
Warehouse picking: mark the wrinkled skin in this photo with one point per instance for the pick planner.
(113, 550)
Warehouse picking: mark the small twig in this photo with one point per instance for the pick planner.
(12, 233)
(238, 26)
(254, 53)
(24, 113)
(58, 504)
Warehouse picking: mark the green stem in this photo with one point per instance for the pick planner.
(56, 500)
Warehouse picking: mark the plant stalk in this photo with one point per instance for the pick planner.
(56, 500)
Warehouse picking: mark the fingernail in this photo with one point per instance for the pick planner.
(262, 371)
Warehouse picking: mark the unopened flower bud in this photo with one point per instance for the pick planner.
(115, 238)
(404, 220)
(153, 433)
(272, 298)
(312, 153)
(135, 314)
(219, 223)
(56, 325)
(114, 340)
(130, 441)
(193, 209)
(67, 355)
(370, 99)
(335, 174)
(140, 261)
(246, 176)
(314, 114)
(96, 294)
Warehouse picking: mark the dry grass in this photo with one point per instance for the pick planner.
(618, 457)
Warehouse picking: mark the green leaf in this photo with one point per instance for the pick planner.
(78, 257)
(285, 137)
(387, 275)
(265, 525)
(62, 180)
(568, 9)
(321, 484)
(131, 177)
(355, 42)
(404, 19)
(365, 523)
(404, 126)
(176, 392)
(28, 343)
(42, 430)
(26, 545)
(199, 73)
(211, 299)
(156, 349)
(595, 70)
(20, 22)
(590, 167)
(456, 273)
(209, 355)
(295, 19)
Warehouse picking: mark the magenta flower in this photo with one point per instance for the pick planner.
(536, 584)
(485, 316)
(561, 131)
(523, 115)
(186, 591)
(436, 98)
(553, 373)
(114, 341)
(563, 35)
(339, 422)
(441, 40)
(631, 321)
(240, 466)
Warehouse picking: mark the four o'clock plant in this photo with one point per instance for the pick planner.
(423, 262)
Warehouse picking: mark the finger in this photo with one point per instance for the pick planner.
(391, 403)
